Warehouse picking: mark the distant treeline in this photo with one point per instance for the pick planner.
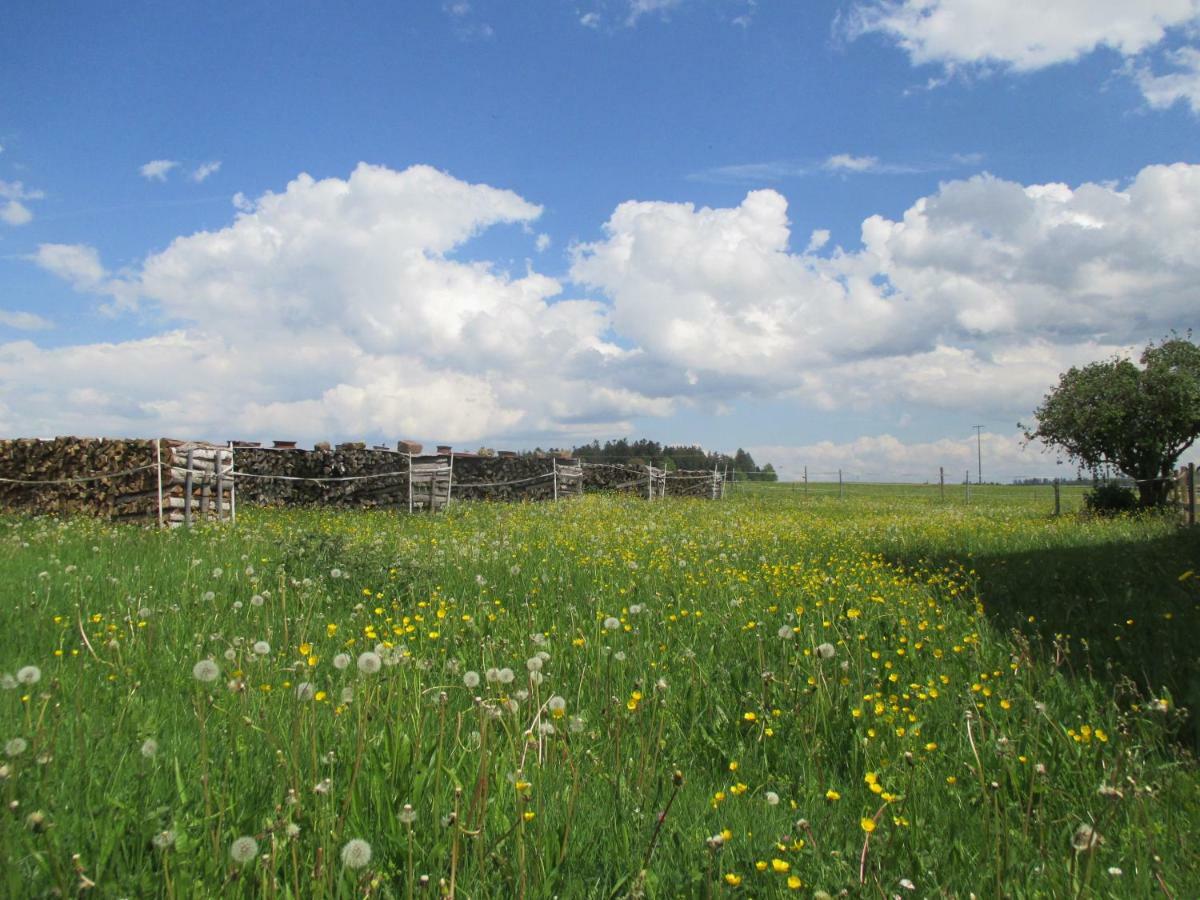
(671, 457)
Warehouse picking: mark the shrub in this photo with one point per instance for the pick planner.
(1110, 499)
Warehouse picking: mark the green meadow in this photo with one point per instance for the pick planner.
(884, 693)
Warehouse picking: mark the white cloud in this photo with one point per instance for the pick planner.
(639, 8)
(157, 169)
(987, 286)
(78, 264)
(15, 213)
(1163, 91)
(204, 170)
(350, 307)
(590, 20)
(1021, 34)
(844, 162)
(334, 309)
(542, 243)
(24, 321)
(887, 458)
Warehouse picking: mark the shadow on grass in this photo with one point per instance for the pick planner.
(1120, 607)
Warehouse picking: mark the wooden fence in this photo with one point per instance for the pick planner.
(1183, 494)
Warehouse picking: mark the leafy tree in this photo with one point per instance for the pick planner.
(1138, 420)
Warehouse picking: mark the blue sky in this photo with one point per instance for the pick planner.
(839, 234)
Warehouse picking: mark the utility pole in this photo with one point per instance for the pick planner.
(979, 452)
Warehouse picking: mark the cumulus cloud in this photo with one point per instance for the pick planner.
(78, 264)
(1181, 85)
(23, 321)
(14, 212)
(988, 285)
(885, 457)
(203, 170)
(157, 169)
(1020, 34)
(352, 307)
(337, 307)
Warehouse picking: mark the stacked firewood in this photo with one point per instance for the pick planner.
(265, 475)
(49, 476)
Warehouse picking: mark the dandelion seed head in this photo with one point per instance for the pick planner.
(7, 682)
(256, 600)
(407, 814)
(149, 748)
(506, 675)
(356, 853)
(612, 623)
(243, 849)
(206, 670)
(492, 675)
(15, 746)
(262, 648)
(534, 664)
(164, 840)
(305, 691)
(341, 661)
(1085, 838)
(369, 662)
(826, 651)
(29, 675)
(471, 679)
(772, 798)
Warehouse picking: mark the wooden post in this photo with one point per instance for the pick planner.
(232, 487)
(158, 462)
(649, 482)
(967, 482)
(841, 492)
(187, 490)
(410, 492)
(554, 462)
(205, 496)
(942, 481)
(806, 481)
(1057, 498)
(218, 455)
(450, 483)
(1191, 494)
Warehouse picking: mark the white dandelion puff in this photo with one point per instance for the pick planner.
(164, 840)
(492, 675)
(826, 651)
(243, 849)
(7, 682)
(149, 748)
(29, 675)
(262, 648)
(772, 798)
(256, 600)
(341, 661)
(1085, 838)
(612, 623)
(356, 853)
(206, 670)
(369, 663)
(305, 691)
(506, 675)
(407, 815)
(471, 679)
(15, 747)
(785, 633)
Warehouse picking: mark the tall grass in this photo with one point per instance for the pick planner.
(602, 698)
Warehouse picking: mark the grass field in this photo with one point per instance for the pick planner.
(776, 694)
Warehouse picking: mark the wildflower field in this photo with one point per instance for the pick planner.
(883, 694)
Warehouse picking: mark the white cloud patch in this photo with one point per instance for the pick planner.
(887, 458)
(845, 162)
(203, 170)
(1181, 85)
(24, 321)
(349, 307)
(639, 8)
(1020, 34)
(77, 264)
(590, 20)
(988, 286)
(157, 169)
(542, 242)
(334, 309)
(14, 212)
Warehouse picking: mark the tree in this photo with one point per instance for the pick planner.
(1138, 420)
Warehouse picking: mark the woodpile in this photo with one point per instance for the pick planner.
(182, 482)
(116, 479)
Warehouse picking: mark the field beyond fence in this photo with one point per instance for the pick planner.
(881, 693)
